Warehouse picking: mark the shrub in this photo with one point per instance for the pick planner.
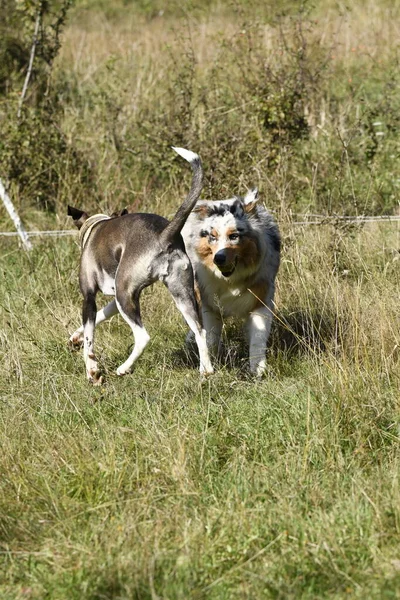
(34, 153)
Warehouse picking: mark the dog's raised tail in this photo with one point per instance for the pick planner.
(177, 223)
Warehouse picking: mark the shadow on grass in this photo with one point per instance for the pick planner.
(294, 334)
(298, 332)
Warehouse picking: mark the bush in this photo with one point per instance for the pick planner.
(34, 153)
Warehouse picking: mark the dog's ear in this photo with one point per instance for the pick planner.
(120, 213)
(237, 208)
(201, 210)
(79, 216)
(250, 200)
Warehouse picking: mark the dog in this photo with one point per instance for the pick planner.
(234, 246)
(122, 255)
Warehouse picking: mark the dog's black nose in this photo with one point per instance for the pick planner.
(220, 258)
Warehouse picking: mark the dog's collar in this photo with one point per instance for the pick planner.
(87, 227)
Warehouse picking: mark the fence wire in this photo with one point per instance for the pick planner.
(307, 219)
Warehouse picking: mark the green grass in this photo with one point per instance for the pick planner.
(160, 486)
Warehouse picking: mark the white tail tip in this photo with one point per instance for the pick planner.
(186, 154)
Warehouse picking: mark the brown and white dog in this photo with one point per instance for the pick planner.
(234, 246)
(121, 255)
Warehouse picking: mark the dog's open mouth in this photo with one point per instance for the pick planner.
(227, 270)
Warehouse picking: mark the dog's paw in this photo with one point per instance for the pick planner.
(205, 375)
(92, 371)
(123, 370)
(258, 369)
(75, 342)
(95, 377)
(206, 371)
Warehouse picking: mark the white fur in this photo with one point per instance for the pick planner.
(200, 337)
(103, 314)
(186, 154)
(258, 326)
(107, 284)
(251, 196)
(92, 369)
(142, 338)
(229, 298)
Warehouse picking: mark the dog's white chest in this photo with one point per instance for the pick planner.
(237, 302)
(230, 300)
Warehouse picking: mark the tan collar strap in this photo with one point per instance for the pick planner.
(88, 225)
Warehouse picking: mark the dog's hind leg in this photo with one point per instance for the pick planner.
(129, 308)
(76, 339)
(89, 319)
(212, 323)
(180, 285)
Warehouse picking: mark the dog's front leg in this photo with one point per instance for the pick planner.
(89, 319)
(76, 339)
(259, 328)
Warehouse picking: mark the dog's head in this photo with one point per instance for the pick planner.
(226, 240)
(79, 216)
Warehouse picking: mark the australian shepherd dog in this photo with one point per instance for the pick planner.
(234, 247)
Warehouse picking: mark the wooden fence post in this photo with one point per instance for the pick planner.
(14, 215)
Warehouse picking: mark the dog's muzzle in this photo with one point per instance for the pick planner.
(224, 263)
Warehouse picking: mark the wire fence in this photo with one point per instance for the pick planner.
(51, 232)
(333, 219)
(306, 219)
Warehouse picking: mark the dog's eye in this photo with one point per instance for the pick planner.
(203, 233)
(234, 236)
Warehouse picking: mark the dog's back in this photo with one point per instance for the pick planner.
(132, 245)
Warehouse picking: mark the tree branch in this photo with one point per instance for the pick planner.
(31, 59)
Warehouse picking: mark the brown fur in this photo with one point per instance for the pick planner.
(260, 291)
(201, 210)
(248, 251)
(230, 231)
(197, 295)
(250, 207)
(205, 252)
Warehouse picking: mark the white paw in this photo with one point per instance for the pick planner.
(258, 369)
(75, 342)
(94, 375)
(123, 370)
(92, 370)
(205, 372)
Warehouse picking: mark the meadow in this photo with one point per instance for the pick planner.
(159, 485)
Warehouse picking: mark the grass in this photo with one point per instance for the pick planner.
(158, 485)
